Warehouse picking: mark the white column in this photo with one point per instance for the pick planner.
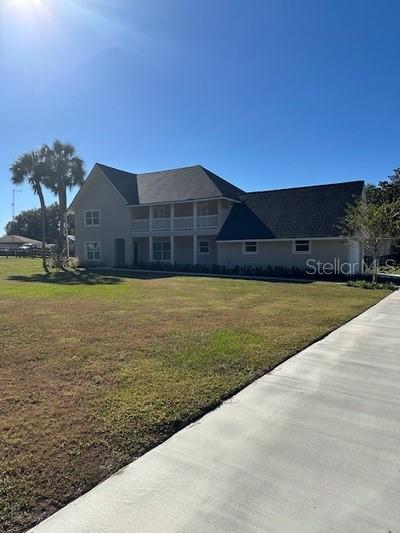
(151, 248)
(172, 241)
(195, 249)
(195, 215)
(151, 217)
(172, 215)
(195, 236)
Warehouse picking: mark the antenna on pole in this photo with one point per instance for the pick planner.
(13, 201)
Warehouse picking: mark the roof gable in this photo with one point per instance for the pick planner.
(188, 183)
(124, 182)
(313, 211)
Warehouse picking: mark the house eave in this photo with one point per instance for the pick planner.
(188, 200)
(287, 239)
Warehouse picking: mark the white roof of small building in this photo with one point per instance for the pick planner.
(18, 239)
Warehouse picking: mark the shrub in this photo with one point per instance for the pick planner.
(72, 262)
(244, 270)
(363, 284)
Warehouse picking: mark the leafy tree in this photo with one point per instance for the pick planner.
(66, 170)
(387, 190)
(375, 226)
(33, 168)
(28, 224)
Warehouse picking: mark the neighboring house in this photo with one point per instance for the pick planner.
(12, 242)
(192, 216)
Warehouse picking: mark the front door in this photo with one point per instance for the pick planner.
(119, 252)
(135, 252)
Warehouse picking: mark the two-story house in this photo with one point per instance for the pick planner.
(192, 216)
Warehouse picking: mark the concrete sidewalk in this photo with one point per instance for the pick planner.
(312, 447)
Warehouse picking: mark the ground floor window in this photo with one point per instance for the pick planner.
(250, 247)
(302, 246)
(93, 251)
(204, 247)
(161, 251)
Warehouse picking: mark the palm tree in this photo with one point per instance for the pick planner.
(66, 172)
(32, 167)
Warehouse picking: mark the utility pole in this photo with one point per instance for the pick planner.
(13, 201)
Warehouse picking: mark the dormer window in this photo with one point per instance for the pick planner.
(92, 217)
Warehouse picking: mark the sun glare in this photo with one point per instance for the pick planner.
(26, 9)
(26, 4)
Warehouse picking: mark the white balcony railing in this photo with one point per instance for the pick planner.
(176, 223)
(140, 224)
(183, 223)
(207, 221)
(160, 223)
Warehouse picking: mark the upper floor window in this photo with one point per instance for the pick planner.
(205, 209)
(301, 247)
(250, 247)
(93, 251)
(202, 209)
(161, 211)
(92, 218)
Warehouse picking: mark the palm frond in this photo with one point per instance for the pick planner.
(21, 169)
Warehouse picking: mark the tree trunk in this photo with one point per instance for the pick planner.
(376, 269)
(66, 233)
(43, 227)
(62, 200)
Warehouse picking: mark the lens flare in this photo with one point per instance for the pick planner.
(26, 3)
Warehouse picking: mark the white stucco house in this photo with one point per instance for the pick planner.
(191, 216)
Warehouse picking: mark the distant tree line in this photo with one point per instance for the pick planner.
(28, 224)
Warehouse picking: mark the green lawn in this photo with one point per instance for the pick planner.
(97, 369)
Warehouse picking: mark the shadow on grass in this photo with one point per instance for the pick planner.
(134, 274)
(108, 277)
(150, 274)
(81, 277)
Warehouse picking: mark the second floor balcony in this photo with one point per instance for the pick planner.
(175, 217)
(175, 223)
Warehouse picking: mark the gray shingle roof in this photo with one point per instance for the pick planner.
(18, 239)
(124, 182)
(314, 211)
(188, 183)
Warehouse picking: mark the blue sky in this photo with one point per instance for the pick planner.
(268, 94)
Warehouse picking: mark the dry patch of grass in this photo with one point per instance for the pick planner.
(97, 369)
